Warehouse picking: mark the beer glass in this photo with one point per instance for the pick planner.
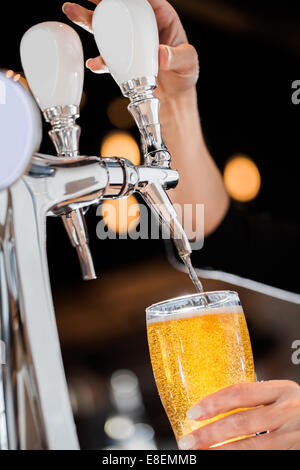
(198, 344)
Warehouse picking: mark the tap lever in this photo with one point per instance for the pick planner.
(131, 54)
(52, 59)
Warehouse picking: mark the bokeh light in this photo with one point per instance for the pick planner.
(121, 215)
(118, 113)
(119, 428)
(121, 144)
(242, 178)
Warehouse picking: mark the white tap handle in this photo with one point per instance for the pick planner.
(127, 37)
(52, 59)
(20, 130)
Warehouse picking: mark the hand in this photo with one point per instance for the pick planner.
(178, 60)
(276, 409)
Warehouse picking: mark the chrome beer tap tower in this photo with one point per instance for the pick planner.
(36, 411)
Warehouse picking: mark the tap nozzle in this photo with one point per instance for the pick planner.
(65, 134)
(75, 226)
(155, 195)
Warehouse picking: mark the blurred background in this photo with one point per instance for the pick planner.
(249, 56)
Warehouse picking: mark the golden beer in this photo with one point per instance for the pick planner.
(197, 351)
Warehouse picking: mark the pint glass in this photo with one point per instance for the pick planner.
(198, 344)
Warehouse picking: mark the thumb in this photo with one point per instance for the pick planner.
(182, 59)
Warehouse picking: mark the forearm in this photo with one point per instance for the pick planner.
(200, 180)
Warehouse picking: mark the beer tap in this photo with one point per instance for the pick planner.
(52, 58)
(127, 37)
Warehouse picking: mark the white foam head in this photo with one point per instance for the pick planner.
(20, 130)
(195, 312)
(52, 59)
(127, 37)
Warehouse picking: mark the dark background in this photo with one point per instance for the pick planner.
(249, 56)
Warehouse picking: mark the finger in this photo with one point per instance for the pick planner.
(157, 3)
(272, 441)
(79, 15)
(245, 395)
(97, 65)
(154, 3)
(244, 423)
(182, 59)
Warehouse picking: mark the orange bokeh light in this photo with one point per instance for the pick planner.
(242, 178)
(121, 215)
(121, 144)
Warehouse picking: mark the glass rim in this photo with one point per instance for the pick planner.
(157, 307)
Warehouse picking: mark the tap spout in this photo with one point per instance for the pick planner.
(65, 134)
(76, 228)
(158, 200)
(153, 185)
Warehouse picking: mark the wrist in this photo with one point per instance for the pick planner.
(200, 179)
(180, 122)
(174, 107)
